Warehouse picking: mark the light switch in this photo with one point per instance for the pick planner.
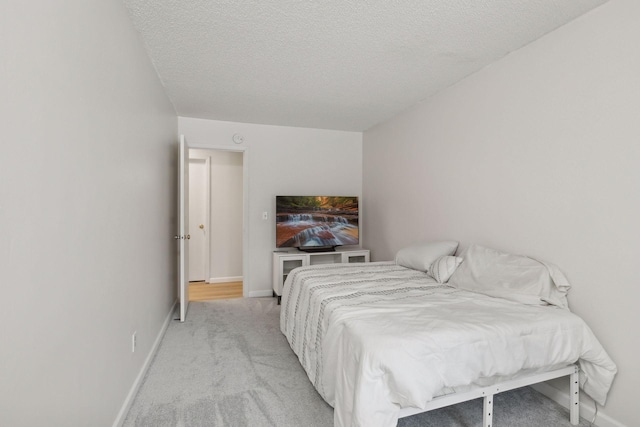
(265, 215)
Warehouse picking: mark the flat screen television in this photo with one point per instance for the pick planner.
(316, 223)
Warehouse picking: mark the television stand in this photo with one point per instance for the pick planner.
(284, 262)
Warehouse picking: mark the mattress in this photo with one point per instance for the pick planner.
(376, 338)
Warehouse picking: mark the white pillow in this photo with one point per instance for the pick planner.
(419, 257)
(442, 268)
(513, 277)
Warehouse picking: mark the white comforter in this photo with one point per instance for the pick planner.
(375, 338)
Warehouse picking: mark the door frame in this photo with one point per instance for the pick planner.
(245, 205)
(207, 214)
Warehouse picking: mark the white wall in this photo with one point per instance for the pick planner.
(536, 154)
(281, 160)
(87, 198)
(225, 228)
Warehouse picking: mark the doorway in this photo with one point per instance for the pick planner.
(216, 224)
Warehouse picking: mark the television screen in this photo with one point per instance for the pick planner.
(316, 221)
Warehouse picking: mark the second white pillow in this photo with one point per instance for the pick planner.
(442, 268)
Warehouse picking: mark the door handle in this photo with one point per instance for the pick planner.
(201, 226)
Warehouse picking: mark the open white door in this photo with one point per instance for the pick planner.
(183, 232)
(198, 221)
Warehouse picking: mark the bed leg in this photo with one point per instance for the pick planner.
(574, 391)
(487, 415)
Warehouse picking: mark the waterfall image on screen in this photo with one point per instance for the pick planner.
(316, 221)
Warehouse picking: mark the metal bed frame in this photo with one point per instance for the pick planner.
(487, 394)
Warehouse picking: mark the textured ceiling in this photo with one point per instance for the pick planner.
(330, 64)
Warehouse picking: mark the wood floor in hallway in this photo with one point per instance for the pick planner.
(202, 291)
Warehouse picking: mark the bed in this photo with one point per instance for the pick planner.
(384, 340)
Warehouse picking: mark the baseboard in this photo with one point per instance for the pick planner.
(138, 381)
(225, 279)
(586, 410)
(258, 294)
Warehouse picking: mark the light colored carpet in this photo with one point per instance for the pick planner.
(229, 365)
